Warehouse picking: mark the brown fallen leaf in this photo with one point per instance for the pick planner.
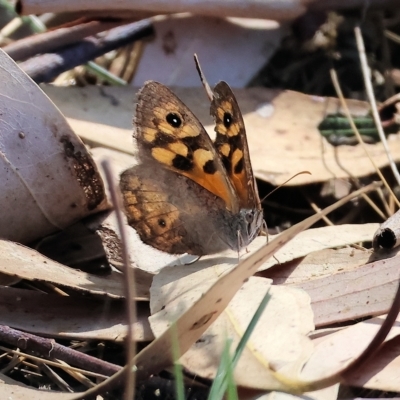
(192, 323)
(340, 348)
(25, 263)
(316, 265)
(354, 292)
(326, 237)
(48, 178)
(69, 317)
(382, 372)
(288, 120)
(279, 338)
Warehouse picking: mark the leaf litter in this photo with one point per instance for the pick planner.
(313, 280)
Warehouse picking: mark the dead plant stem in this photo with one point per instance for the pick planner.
(371, 97)
(339, 92)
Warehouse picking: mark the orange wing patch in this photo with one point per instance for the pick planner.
(231, 144)
(173, 136)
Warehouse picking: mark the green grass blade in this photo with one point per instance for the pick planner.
(250, 328)
(179, 386)
(224, 378)
(218, 387)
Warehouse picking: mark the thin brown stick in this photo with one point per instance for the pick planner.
(371, 97)
(346, 110)
(129, 283)
(378, 339)
(48, 41)
(50, 349)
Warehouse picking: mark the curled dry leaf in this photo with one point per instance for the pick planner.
(279, 338)
(48, 178)
(70, 317)
(388, 234)
(342, 347)
(25, 263)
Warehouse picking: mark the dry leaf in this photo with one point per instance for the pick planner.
(25, 263)
(289, 121)
(191, 324)
(340, 348)
(70, 317)
(48, 178)
(382, 371)
(316, 265)
(355, 292)
(279, 338)
(322, 238)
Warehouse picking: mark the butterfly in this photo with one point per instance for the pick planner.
(189, 194)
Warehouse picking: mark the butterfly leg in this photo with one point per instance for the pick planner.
(265, 231)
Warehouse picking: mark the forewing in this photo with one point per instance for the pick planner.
(231, 145)
(169, 133)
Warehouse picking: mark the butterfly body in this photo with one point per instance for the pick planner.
(188, 195)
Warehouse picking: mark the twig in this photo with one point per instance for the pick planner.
(53, 363)
(357, 133)
(45, 67)
(378, 339)
(51, 40)
(129, 284)
(50, 349)
(372, 101)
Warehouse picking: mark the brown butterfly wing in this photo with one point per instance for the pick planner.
(231, 145)
(174, 214)
(148, 210)
(169, 133)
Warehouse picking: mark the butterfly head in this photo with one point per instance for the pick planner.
(250, 224)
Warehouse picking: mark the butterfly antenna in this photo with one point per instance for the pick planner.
(203, 79)
(284, 183)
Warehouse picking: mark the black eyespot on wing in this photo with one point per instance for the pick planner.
(227, 120)
(174, 120)
(239, 166)
(209, 167)
(161, 222)
(182, 163)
